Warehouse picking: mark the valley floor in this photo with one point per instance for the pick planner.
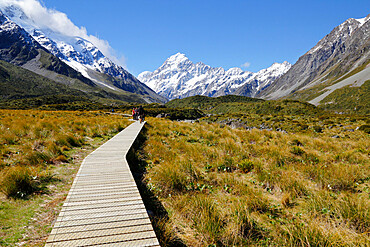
(286, 180)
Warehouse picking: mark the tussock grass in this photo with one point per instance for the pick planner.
(40, 152)
(237, 187)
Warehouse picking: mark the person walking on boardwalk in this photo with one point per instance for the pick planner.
(141, 114)
(134, 113)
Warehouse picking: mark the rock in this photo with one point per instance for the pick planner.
(235, 125)
(335, 136)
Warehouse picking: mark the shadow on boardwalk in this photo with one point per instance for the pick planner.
(157, 213)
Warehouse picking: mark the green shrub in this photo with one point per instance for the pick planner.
(297, 150)
(317, 129)
(246, 166)
(365, 128)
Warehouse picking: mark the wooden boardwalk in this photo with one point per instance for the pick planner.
(104, 207)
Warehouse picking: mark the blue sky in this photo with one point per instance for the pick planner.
(143, 33)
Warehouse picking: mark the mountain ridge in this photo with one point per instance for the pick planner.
(178, 77)
(344, 49)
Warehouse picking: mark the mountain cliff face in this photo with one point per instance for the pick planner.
(344, 49)
(75, 53)
(16, 45)
(178, 77)
(19, 48)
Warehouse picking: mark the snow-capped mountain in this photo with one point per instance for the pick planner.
(19, 48)
(344, 49)
(81, 55)
(178, 77)
(11, 34)
(74, 51)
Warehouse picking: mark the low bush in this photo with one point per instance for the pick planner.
(19, 182)
(246, 166)
(365, 128)
(317, 129)
(297, 150)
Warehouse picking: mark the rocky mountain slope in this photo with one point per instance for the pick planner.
(18, 83)
(178, 77)
(69, 53)
(339, 55)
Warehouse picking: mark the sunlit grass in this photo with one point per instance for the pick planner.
(237, 187)
(40, 151)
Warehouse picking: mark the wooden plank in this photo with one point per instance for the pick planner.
(104, 206)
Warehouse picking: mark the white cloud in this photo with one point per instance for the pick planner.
(59, 22)
(245, 65)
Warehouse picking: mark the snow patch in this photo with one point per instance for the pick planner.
(362, 21)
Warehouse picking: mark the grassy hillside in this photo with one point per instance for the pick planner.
(349, 99)
(16, 83)
(211, 185)
(23, 89)
(232, 104)
(282, 107)
(55, 102)
(329, 80)
(206, 103)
